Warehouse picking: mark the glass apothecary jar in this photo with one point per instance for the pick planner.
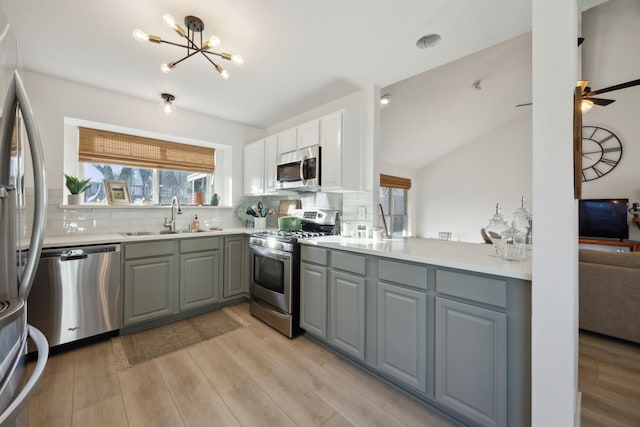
(513, 244)
(496, 226)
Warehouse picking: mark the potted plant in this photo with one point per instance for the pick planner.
(76, 187)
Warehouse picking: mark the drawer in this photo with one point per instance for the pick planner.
(349, 262)
(199, 244)
(406, 274)
(475, 288)
(314, 255)
(148, 249)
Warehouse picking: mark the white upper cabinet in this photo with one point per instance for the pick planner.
(260, 159)
(340, 144)
(254, 160)
(286, 141)
(270, 161)
(339, 135)
(308, 134)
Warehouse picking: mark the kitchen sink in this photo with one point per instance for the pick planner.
(148, 233)
(159, 233)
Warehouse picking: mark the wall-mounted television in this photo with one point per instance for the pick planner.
(604, 218)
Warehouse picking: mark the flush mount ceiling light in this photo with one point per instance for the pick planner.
(385, 99)
(429, 40)
(166, 107)
(194, 26)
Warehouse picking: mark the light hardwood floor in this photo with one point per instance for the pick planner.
(609, 379)
(252, 376)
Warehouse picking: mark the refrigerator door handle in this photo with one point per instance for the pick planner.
(27, 390)
(40, 188)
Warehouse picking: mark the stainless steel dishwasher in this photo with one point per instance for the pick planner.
(76, 293)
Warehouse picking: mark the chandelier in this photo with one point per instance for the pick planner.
(194, 25)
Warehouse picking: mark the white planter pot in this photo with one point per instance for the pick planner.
(75, 199)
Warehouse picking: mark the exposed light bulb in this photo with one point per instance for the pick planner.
(169, 20)
(586, 105)
(224, 74)
(385, 99)
(213, 41)
(166, 107)
(140, 36)
(166, 68)
(237, 59)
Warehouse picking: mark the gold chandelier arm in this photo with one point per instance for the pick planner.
(222, 55)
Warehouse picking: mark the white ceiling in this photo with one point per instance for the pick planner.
(299, 53)
(438, 111)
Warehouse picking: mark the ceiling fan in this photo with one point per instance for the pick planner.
(587, 94)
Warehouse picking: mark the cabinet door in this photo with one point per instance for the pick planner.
(287, 141)
(402, 334)
(471, 361)
(270, 161)
(308, 134)
(347, 313)
(235, 275)
(148, 289)
(313, 299)
(331, 146)
(254, 168)
(199, 279)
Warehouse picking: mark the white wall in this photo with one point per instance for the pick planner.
(458, 192)
(612, 34)
(554, 289)
(54, 100)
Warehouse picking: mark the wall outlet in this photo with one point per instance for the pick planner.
(362, 212)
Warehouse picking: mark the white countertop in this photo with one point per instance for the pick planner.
(461, 255)
(82, 239)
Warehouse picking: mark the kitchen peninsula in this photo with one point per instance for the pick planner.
(444, 321)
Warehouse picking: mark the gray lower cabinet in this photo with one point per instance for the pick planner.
(198, 279)
(471, 361)
(313, 299)
(402, 334)
(347, 313)
(457, 339)
(149, 288)
(164, 278)
(236, 269)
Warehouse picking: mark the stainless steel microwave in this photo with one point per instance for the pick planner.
(299, 170)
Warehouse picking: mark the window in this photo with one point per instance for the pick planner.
(153, 169)
(393, 198)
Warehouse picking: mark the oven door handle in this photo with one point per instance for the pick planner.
(270, 252)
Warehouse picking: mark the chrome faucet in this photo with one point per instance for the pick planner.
(175, 210)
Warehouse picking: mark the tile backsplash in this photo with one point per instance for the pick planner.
(100, 219)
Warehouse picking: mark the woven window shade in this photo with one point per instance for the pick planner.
(100, 146)
(391, 181)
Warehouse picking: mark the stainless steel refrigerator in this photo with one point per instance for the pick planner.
(22, 220)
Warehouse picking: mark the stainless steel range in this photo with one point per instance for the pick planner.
(275, 269)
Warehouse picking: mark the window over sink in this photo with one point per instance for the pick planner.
(155, 170)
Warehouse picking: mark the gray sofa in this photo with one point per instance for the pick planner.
(609, 293)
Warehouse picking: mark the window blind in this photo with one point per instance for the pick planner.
(101, 146)
(391, 181)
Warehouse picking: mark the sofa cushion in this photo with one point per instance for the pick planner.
(619, 259)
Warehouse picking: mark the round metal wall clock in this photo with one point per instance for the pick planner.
(601, 152)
